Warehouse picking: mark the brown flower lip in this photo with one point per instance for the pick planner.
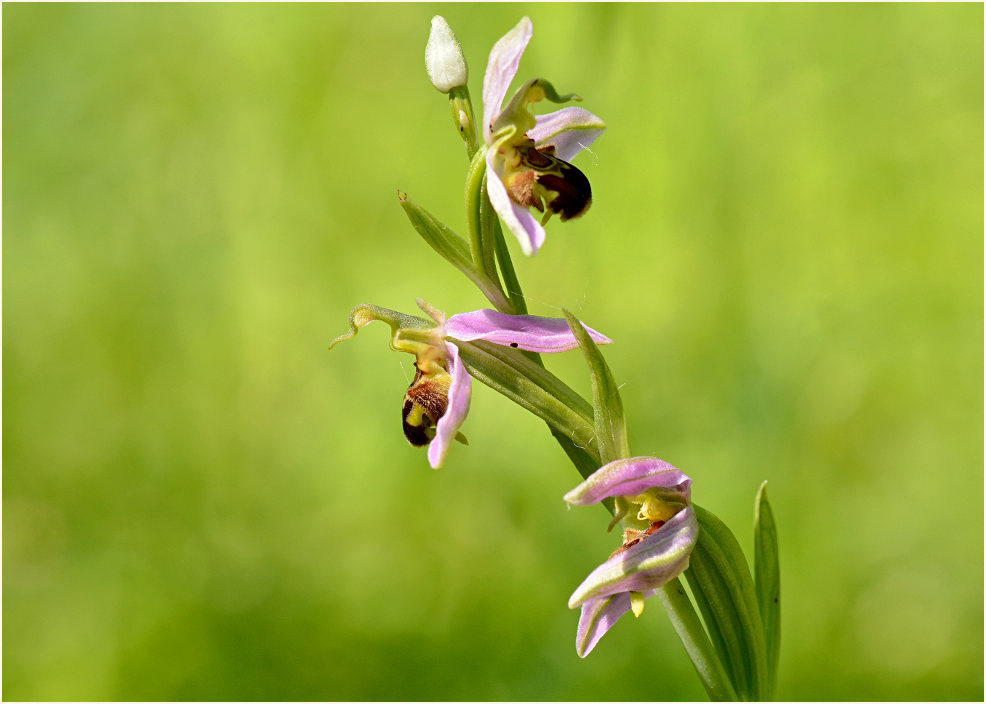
(425, 402)
(547, 176)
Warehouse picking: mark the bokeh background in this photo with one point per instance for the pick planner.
(201, 502)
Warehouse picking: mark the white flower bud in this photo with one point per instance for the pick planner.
(443, 57)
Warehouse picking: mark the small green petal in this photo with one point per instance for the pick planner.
(516, 112)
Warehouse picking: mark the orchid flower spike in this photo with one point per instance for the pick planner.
(527, 157)
(657, 541)
(437, 401)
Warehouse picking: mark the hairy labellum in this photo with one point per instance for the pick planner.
(543, 179)
(424, 403)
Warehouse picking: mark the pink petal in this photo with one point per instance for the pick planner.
(459, 394)
(597, 617)
(501, 69)
(518, 220)
(569, 130)
(629, 477)
(526, 332)
(651, 563)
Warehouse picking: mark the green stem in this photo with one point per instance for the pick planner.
(697, 644)
(462, 118)
(510, 280)
(480, 238)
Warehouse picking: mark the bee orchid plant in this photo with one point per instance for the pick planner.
(519, 162)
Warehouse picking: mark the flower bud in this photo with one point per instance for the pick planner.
(443, 57)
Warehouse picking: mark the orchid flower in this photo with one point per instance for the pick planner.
(527, 157)
(437, 401)
(654, 551)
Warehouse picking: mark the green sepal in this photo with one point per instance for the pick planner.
(720, 580)
(533, 388)
(767, 571)
(610, 424)
(515, 118)
(366, 313)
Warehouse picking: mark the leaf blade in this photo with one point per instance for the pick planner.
(721, 569)
(609, 420)
(767, 573)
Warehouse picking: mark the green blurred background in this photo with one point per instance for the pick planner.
(201, 502)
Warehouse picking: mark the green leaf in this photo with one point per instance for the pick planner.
(766, 561)
(610, 424)
(720, 579)
(699, 580)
